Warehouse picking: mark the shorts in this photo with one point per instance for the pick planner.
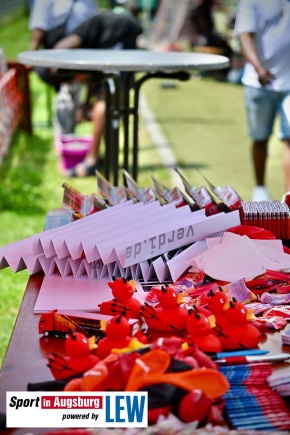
(263, 105)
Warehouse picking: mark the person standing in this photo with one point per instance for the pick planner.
(263, 27)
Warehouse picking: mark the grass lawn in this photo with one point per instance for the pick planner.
(205, 123)
(202, 119)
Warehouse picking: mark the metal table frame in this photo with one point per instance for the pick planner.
(152, 64)
(117, 111)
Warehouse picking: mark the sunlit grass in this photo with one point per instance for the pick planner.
(205, 123)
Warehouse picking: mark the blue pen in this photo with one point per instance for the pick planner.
(244, 352)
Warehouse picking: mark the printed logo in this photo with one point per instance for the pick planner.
(108, 409)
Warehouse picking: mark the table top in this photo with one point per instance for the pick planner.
(123, 60)
(26, 358)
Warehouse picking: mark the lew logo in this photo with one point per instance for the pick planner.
(125, 408)
(112, 409)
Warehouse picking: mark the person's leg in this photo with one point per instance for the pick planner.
(91, 161)
(286, 164)
(259, 157)
(284, 111)
(98, 119)
(261, 109)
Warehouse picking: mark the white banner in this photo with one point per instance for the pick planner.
(76, 409)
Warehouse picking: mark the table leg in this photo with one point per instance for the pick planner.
(126, 111)
(181, 75)
(112, 124)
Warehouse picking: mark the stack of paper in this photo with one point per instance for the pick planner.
(133, 240)
(127, 239)
(233, 257)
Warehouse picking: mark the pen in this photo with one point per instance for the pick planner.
(244, 352)
(253, 358)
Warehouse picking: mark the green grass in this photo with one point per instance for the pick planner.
(205, 123)
(203, 120)
(30, 186)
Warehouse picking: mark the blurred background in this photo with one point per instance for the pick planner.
(202, 122)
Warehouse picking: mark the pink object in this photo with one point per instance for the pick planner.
(72, 149)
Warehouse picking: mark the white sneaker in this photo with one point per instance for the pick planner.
(260, 193)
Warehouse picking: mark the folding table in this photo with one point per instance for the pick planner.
(140, 66)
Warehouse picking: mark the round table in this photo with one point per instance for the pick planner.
(154, 64)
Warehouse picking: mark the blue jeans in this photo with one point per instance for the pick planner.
(263, 105)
